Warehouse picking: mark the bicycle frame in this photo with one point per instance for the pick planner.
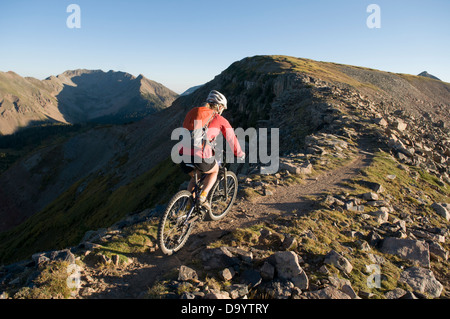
(196, 191)
(197, 188)
(177, 223)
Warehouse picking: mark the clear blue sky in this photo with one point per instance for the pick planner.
(185, 43)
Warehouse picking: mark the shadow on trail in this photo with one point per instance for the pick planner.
(300, 206)
(297, 201)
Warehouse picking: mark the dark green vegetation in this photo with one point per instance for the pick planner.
(89, 204)
(17, 145)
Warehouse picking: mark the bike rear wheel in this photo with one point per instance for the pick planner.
(221, 204)
(174, 228)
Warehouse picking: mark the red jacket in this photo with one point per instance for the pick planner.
(218, 124)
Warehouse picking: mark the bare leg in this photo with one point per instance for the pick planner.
(210, 178)
(208, 181)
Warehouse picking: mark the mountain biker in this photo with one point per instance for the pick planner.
(202, 158)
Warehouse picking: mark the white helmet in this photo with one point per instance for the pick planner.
(217, 97)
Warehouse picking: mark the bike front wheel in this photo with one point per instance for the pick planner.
(176, 223)
(220, 202)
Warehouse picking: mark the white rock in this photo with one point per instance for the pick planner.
(422, 280)
(413, 250)
(288, 267)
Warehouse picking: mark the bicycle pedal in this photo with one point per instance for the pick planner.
(203, 213)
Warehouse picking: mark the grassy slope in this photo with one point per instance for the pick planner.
(64, 222)
(332, 226)
(26, 90)
(325, 71)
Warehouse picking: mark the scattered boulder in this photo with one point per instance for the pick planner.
(289, 243)
(378, 188)
(375, 187)
(217, 294)
(399, 125)
(371, 196)
(57, 255)
(381, 121)
(414, 250)
(329, 292)
(397, 293)
(280, 289)
(343, 285)
(288, 267)
(251, 277)
(227, 274)
(237, 291)
(331, 200)
(267, 271)
(422, 281)
(306, 169)
(437, 251)
(187, 273)
(293, 168)
(442, 209)
(337, 260)
(380, 215)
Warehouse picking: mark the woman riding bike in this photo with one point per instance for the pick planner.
(208, 116)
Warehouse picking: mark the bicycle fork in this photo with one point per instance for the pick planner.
(225, 183)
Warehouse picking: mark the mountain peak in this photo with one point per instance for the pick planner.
(428, 75)
(79, 96)
(77, 72)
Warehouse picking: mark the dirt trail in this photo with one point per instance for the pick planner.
(134, 283)
(285, 200)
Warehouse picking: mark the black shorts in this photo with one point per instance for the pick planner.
(205, 165)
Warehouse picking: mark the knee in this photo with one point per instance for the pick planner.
(215, 169)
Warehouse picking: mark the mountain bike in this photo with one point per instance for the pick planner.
(178, 219)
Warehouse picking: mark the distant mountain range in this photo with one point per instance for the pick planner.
(78, 96)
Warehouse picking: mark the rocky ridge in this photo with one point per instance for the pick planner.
(431, 76)
(395, 221)
(78, 96)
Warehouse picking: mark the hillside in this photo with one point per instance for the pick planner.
(363, 180)
(78, 96)
(25, 102)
